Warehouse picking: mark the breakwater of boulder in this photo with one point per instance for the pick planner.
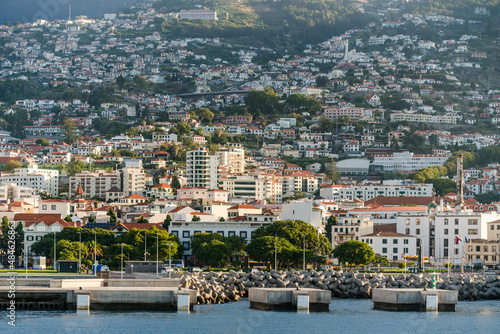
(221, 287)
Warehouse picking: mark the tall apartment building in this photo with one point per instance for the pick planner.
(299, 181)
(202, 169)
(233, 158)
(35, 182)
(408, 161)
(95, 184)
(50, 176)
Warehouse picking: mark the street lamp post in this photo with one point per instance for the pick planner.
(121, 266)
(55, 252)
(157, 242)
(275, 252)
(303, 252)
(169, 256)
(145, 241)
(79, 252)
(95, 246)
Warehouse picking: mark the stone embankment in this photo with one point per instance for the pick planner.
(221, 287)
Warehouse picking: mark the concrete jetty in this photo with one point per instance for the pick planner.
(415, 300)
(101, 294)
(289, 299)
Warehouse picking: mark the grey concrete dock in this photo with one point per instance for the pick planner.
(414, 300)
(100, 294)
(289, 299)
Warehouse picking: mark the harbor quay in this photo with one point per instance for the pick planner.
(99, 294)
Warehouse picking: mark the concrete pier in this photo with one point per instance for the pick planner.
(101, 298)
(415, 300)
(289, 299)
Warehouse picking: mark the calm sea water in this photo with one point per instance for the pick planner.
(346, 316)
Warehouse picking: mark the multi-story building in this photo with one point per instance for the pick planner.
(13, 192)
(482, 252)
(408, 161)
(299, 181)
(233, 158)
(453, 228)
(95, 184)
(367, 192)
(50, 176)
(351, 228)
(202, 169)
(199, 14)
(393, 246)
(423, 118)
(35, 182)
(253, 187)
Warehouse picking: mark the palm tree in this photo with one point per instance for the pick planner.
(88, 249)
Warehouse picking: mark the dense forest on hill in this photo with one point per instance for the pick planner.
(463, 8)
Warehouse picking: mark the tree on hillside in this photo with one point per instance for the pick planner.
(354, 252)
(69, 131)
(112, 215)
(332, 221)
(175, 184)
(42, 142)
(10, 166)
(261, 102)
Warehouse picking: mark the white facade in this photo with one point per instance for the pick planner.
(393, 246)
(51, 177)
(233, 158)
(368, 192)
(202, 169)
(350, 228)
(408, 161)
(305, 211)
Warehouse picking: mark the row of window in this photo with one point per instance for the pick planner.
(394, 250)
(187, 234)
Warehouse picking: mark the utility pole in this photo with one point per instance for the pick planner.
(145, 241)
(121, 265)
(79, 252)
(304, 252)
(95, 246)
(55, 252)
(157, 254)
(275, 252)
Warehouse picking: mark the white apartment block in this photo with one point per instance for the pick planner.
(419, 225)
(408, 161)
(423, 118)
(393, 246)
(185, 229)
(51, 177)
(253, 187)
(197, 15)
(462, 224)
(202, 169)
(35, 182)
(233, 158)
(351, 228)
(95, 184)
(14, 192)
(367, 192)
(299, 181)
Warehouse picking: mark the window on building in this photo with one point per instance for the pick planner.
(417, 221)
(472, 221)
(456, 221)
(335, 229)
(417, 231)
(186, 245)
(446, 221)
(395, 250)
(243, 234)
(175, 233)
(445, 252)
(445, 231)
(478, 248)
(384, 250)
(221, 232)
(407, 222)
(445, 242)
(492, 227)
(395, 241)
(456, 251)
(395, 258)
(52, 207)
(196, 232)
(456, 231)
(472, 231)
(405, 250)
(186, 234)
(407, 231)
(405, 241)
(44, 207)
(485, 248)
(384, 241)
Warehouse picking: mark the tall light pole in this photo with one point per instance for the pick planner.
(26, 256)
(79, 252)
(303, 252)
(275, 252)
(157, 254)
(169, 257)
(121, 269)
(145, 241)
(55, 252)
(95, 246)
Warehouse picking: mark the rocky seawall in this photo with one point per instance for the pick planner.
(222, 287)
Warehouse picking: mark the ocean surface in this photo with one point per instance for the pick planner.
(345, 316)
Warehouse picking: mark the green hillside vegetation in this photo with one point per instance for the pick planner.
(311, 20)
